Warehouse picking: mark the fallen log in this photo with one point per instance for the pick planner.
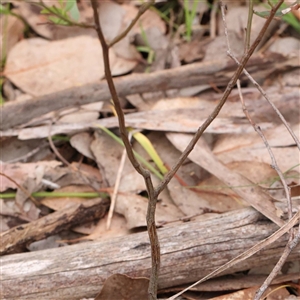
(15, 239)
(189, 251)
(216, 72)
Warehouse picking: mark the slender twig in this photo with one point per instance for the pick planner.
(151, 227)
(22, 189)
(249, 25)
(250, 252)
(25, 157)
(274, 165)
(256, 128)
(219, 106)
(213, 19)
(60, 16)
(114, 196)
(260, 89)
(54, 149)
(153, 194)
(292, 243)
(271, 154)
(143, 8)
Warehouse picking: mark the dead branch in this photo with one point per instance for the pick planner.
(189, 251)
(216, 72)
(16, 239)
(151, 227)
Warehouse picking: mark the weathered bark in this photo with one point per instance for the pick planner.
(16, 239)
(189, 251)
(216, 72)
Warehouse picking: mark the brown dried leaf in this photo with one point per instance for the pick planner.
(41, 67)
(252, 194)
(81, 142)
(273, 292)
(108, 155)
(249, 147)
(11, 32)
(98, 231)
(119, 286)
(134, 209)
(20, 172)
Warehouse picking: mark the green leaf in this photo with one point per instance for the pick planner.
(69, 5)
(147, 145)
(61, 3)
(143, 49)
(45, 11)
(4, 10)
(74, 12)
(139, 157)
(58, 21)
(266, 14)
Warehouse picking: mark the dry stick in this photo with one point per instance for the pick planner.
(260, 89)
(153, 194)
(25, 157)
(273, 159)
(214, 114)
(288, 248)
(250, 252)
(85, 178)
(22, 189)
(143, 8)
(54, 149)
(213, 20)
(151, 227)
(264, 94)
(115, 192)
(217, 109)
(257, 128)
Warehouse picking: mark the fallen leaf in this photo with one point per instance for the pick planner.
(20, 172)
(108, 156)
(123, 287)
(12, 29)
(253, 195)
(250, 147)
(98, 231)
(273, 292)
(134, 209)
(81, 142)
(40, 67)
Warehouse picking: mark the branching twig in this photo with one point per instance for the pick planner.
(216, 111)
(250, 252)
(292, 241)
(153, 194)
(22, 189)
(143, 8)
(260, 89)
(274, 163)
(151, 227)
